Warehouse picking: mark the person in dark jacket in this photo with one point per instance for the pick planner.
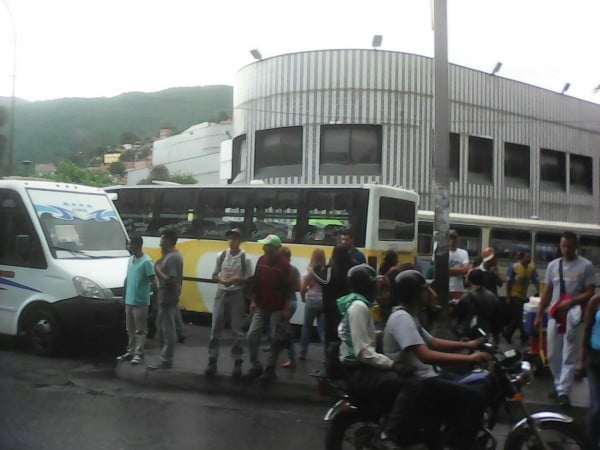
(335, 285)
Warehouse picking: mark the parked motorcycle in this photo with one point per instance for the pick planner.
(356, 423)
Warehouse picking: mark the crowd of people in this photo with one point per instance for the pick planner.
(340, 294)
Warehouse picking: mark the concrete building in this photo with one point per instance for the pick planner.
(195, 151)
(358, 116)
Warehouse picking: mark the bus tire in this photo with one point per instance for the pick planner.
(43, 330)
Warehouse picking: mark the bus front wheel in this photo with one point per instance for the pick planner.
(43, 331)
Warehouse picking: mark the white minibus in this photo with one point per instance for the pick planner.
(63, 261)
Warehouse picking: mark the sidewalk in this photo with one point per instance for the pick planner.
(191, 359)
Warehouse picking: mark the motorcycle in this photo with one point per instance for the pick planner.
(355, 423)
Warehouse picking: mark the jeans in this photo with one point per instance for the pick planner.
(444, 401)
(232, 301)
(260, 319)
(313, 308)
(392, 392)
(593, 417)
(179, 324)
(136, 317)
(563, 352)
(165, 324)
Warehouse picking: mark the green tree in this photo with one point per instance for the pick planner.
(128, 155)
(183, 178)
(129, 138)
(68, 172)
(160, 173)
(117, 168)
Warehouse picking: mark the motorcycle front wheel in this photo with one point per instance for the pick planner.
(556, 436)
(350, 431)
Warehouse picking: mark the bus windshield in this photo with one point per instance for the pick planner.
(79, 225)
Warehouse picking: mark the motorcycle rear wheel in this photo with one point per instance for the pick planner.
(556, 435)
(350, 431)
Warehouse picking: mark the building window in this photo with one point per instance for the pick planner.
(278, 152)
(481, 160)
(454, 157)
(239, 154)
(350, 150)
(516, 165)
(552, 170)
(580, 174)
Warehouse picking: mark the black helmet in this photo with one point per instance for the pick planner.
(407, 284)
(362, 278)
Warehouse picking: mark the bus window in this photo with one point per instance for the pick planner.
(275, 212)
(425, 239)
(329, 213)
(219, 210)
(589, 247)
(547, 247)
(396, 219)
(469, 239)
(136, 208)
(176, 211)
(507, 244)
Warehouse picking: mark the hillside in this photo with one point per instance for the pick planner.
(48, 131)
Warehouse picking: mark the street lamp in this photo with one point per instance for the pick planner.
(377, 39)
(565, 88)
(497, 68)
(256, 54)
(11, 136)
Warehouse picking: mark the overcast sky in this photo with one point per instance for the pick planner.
(102, 48)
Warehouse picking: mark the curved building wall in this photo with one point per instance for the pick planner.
(322, 92)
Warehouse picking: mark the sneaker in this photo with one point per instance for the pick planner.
(269, 375)
(253, 373)
(288, 365)
(125, 357)
(211, 369)
(160, 365)
(137, 359)
(237, 370)
(564, 401)
(302, 357)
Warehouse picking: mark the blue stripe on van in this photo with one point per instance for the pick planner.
(17, 285)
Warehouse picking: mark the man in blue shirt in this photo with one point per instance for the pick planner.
(140, 282)
(347, 238)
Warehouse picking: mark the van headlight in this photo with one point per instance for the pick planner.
(90, 289)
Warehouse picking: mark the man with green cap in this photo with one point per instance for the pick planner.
(272, 288)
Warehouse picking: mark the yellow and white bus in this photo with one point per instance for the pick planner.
(509, 236)
(303, 216)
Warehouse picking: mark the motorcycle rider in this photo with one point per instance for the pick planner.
(369, 374)
(441, 400)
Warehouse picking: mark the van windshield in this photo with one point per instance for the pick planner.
(79, 225)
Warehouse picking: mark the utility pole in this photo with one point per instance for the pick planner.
(441, 153)
(11, 134)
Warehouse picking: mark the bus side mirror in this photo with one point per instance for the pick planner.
(23, 246)
(113, 196)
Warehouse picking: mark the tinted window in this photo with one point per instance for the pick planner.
(516, 164)
(454, 161)
(350, 150)
(275, 212)
(469, 239)
(580, 174)
(278, 152)
(396, 219)
(425, 239)
(481, 160)
(136, 208)
(239, 153)
(552, 170)
(15, 225)
(547, 247)
(507, 244)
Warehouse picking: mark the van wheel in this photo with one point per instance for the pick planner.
(43, 331)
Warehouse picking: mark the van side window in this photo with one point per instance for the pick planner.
(15, 248)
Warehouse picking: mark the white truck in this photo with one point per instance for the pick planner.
(63, 262)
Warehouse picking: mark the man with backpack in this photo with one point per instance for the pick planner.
(232, 271)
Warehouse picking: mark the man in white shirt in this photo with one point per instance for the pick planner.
(458, 260)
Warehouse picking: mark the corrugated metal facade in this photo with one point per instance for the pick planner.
(395, 90)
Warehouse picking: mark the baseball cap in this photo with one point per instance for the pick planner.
(452, 234)
(488, 254)
(271, 239)
(234, 231)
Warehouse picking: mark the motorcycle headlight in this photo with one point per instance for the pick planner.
(90, 289)
(526, 372)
